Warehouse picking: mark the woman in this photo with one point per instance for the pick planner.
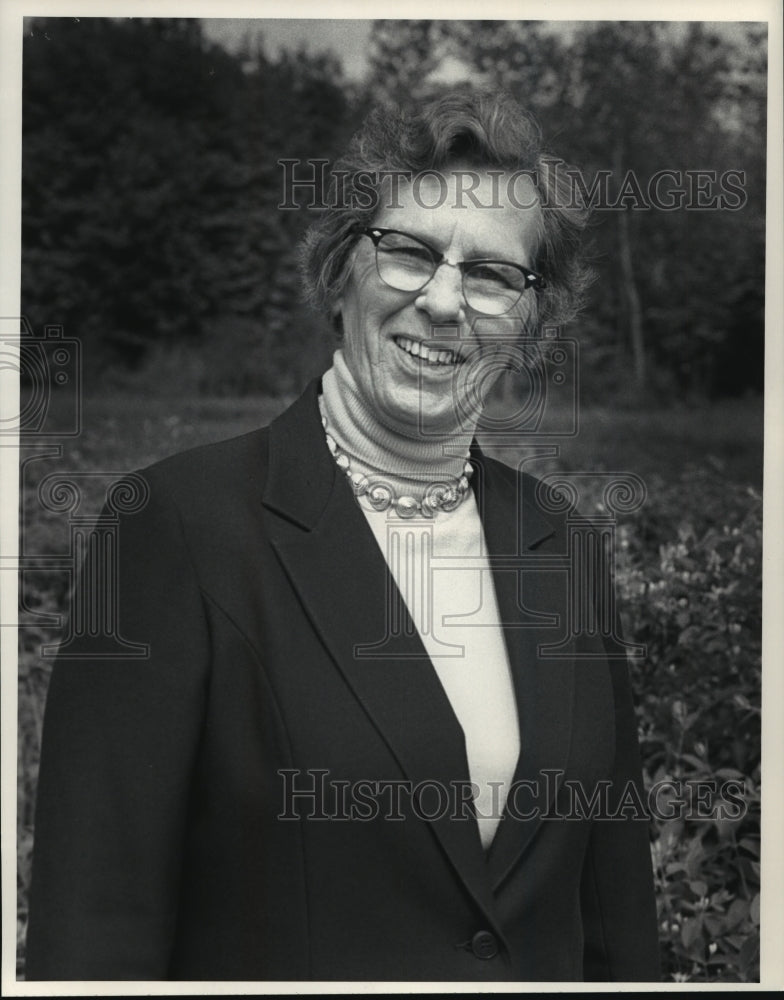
(346, 755)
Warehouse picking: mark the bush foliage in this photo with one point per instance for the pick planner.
(690, 580)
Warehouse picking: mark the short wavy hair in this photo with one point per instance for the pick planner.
(488, 130)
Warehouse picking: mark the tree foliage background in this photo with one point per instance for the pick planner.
(151, 186)
(152, 233)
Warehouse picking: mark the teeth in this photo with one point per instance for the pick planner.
(426, 354)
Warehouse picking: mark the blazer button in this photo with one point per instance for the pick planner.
(484, 945)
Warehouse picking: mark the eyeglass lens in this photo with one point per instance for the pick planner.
(406, 264)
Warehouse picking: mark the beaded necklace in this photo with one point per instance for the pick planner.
(445, 495)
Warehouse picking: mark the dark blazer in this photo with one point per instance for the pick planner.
(160, 853)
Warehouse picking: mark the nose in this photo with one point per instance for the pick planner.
(442, 297)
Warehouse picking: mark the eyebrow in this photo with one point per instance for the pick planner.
(486, 255)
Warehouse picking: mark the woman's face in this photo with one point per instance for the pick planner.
(381, 324)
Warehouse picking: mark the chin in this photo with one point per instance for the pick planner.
(428, 416)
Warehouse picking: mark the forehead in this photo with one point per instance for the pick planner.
(469, 211)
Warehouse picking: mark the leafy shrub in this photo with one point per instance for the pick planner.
(689, 576)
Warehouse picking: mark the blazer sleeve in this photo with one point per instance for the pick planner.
(120, 738)
(618, 904)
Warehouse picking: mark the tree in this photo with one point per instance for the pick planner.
(627, 101)
(151, 187)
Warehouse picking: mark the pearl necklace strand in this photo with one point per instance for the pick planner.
(381, 495)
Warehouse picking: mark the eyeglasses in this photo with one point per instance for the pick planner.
(490, 286)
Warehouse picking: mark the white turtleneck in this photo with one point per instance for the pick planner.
(441, 570)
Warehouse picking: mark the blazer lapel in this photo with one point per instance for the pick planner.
(339, 572)
(529, 573)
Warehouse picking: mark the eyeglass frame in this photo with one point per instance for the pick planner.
(532, 278)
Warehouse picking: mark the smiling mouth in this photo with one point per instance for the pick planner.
(427, 355)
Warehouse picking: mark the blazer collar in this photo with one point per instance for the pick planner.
(328, 551)
(527, 554)
(302, 472)
(302, 475)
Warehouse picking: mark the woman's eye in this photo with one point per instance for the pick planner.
(488, 274)
(410, 257)
(408, 250)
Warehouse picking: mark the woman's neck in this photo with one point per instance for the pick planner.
(412, 460)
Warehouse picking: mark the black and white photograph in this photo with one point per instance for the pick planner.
(385, 407)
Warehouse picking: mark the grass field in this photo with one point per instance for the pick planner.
(703, 469)
(131, 431)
